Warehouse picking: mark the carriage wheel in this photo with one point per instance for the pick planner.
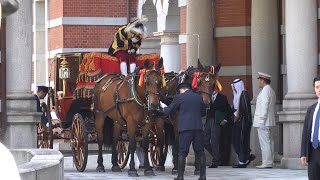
(155, 149)
(123, 153)
(79, 142)
(44, 131)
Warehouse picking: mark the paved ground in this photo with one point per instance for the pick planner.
(212, 174)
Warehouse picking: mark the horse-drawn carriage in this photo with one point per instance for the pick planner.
(92, 107)
(75, 76)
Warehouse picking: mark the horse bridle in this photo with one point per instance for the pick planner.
(147, 92)
(207, 78)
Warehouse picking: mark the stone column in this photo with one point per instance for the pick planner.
(265, 42)
(302, 63)
(170, 51)
(199, 22)
(265, 56)
(39, 41)
(21, 105)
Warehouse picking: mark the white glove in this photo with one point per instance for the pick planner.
(163, 105)
(131, 51)
(262, 126)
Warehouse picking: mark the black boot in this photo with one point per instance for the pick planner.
(197, 166)
(208, 148)
(181, 166)
(202, 168)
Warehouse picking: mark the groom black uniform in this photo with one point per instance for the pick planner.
(190, 108)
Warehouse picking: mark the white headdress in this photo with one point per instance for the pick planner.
(138, 27)
(237, 88)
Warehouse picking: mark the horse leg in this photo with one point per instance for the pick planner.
(160, 137)
(145, 144)
(99, 122)
(114, 158)
(132, 148)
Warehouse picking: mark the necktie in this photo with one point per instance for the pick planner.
(315, 139)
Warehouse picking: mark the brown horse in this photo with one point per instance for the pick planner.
(128, 104)
(204, 83)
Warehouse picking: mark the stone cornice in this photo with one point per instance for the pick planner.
(89, 21)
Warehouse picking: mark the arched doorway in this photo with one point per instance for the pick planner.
(148, 9)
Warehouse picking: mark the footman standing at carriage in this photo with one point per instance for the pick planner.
(126, 42)
(42, 92)
(191, 108)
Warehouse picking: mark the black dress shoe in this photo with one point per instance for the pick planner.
(251, 158)
(213, 166)
(142, 167)
(240, 166)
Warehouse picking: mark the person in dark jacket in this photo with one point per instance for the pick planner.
(190, 108)
(219, 115)
(41, 93)
(242, 124)
(310, 149)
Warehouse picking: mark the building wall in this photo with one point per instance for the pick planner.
(232, 48)
(183, 30)
(77, 34)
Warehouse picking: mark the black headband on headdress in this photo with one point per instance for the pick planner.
(237, 81)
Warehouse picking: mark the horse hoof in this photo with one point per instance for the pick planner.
(149, 172)
(174, 171)
(196, 172)
(133, 173)
(160, 168)
(116, 169)
(100, 169)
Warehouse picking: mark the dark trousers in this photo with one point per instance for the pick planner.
(225, 144)
(314, 164)
(212, 138)
(241, 140)
(195, 137)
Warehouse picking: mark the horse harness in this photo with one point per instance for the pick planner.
(133, 94)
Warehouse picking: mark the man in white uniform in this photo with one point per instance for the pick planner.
(264, 119)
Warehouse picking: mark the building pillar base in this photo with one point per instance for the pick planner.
(292, 163)
(292, 117)
(22, 118)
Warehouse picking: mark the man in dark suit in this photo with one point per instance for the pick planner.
(41, 93)
(218, 120)
(310, 149)
(190, 108)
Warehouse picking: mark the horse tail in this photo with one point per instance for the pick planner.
(169, 133)
(108, 132)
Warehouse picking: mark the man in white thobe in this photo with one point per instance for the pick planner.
(264, 119)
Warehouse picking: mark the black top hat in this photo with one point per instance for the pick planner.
(44, 89)
(183, 85)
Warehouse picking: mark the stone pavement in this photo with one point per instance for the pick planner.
(212, 174)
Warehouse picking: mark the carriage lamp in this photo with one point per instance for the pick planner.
(64, 73)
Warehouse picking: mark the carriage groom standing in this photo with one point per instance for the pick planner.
(126, 42)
